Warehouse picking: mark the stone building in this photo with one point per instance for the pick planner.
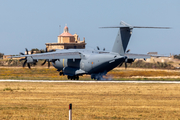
(67, 41)
(155, 57)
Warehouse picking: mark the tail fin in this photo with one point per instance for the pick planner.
(123, 36)
(122, 39)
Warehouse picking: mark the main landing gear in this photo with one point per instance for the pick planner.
(76, 77)
(96, 77)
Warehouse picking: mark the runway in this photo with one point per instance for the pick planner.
(81, 81)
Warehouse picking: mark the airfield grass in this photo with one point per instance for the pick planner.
(90, 101)
(42, 73)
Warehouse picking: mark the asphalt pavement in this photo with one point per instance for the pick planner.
(81, 81)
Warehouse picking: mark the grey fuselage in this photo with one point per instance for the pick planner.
(91, 62)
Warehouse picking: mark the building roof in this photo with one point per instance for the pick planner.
(66, 34)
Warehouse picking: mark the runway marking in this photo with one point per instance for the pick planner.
(73, 81)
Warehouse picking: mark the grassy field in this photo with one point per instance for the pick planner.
(33, 74)
(42, 73)
(90, 101)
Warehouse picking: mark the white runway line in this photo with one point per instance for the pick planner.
(73, 81)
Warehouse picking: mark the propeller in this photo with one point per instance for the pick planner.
(47, 59)
(25, 59)
(45, 62)
(103, 49)
(21, 53)
(127, 60)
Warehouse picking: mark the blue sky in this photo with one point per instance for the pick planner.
(31, 24)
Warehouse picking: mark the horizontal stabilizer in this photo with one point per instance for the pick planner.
(125, 25)
(124, 34)
(120, 26)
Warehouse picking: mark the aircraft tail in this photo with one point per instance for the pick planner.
(122, 39)
(123, 36)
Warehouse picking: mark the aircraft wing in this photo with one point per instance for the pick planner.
(137, 56)
(154, 55)
(53, 55)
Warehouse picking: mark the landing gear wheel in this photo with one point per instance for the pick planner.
(77, 77)
(61, 73)
(98, 78)
(70, 77)
(93, 77)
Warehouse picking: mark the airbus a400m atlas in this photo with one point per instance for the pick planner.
(76, 62)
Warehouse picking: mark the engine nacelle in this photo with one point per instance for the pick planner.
(31, 60)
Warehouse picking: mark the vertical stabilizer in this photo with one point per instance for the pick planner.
(122, 38)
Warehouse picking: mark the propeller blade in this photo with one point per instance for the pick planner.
(26, 51)
(43, 62)
(22, 59)
(54, 60)
(48, 64)
(120, 64)
(29, 66)
(24, 63)
(21, 53)
(32, 51)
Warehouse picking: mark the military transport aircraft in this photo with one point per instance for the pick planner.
(76, 62)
